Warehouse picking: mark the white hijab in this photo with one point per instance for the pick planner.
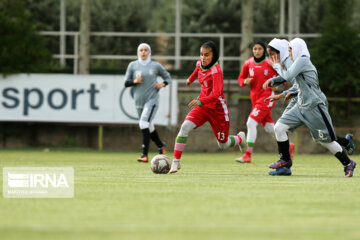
(299, 48)
(282, 46)
(146, 61)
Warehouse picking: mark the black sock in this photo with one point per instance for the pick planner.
(146, 141)
(284, 150)
(342, 141)
(343, 158)
(155, 137)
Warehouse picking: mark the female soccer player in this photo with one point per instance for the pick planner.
(280, 48)
(311, 110)
(256, 70)
(210, 106)
(141, 75)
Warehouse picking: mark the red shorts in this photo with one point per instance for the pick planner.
(261, 114)
(219, 120)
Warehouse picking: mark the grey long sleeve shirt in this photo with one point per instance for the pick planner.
(145, 91)
(306, 78)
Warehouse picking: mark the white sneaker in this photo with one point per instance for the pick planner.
(243, 144)
(175, 167)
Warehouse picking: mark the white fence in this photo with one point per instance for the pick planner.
(177, 55)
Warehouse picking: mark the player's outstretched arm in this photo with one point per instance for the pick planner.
(277, 81)
(188, 82)
(268, 83)
(288, 96)
(274, 97)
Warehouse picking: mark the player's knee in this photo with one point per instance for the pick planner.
(143, 124)
(269, 128)
(221, 145)
(333, 147)
(280, 128)
(277, 129)
(280, 132)
(251, 123)
(186, 127)
(151, 127)
(224, 145)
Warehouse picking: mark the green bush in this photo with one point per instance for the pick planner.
(22, 49)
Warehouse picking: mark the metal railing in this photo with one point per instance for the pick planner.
(176, 56)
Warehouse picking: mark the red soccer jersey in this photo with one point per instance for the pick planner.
(212, 82)
(259, 72)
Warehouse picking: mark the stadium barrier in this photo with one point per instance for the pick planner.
(126, 136)
(78, 98)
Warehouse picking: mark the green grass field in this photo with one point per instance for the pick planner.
(212, 197)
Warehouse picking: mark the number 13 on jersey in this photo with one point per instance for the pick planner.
(221, 136)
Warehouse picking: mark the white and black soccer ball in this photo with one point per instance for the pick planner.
(160, 164)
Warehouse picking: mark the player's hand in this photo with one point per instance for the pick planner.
(247, 81)
(274, 59)
(288, 96)
(193, 104)
(274, 97)
(267, 84)
(159, 85)
(274, 88)
(138, 80)
(188, 82)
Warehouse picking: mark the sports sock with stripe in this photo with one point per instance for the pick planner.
(179, 147)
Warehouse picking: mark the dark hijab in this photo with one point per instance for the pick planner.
(215, 51)
(262, 44)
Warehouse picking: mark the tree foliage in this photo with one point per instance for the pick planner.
(336, 60)
(212, 16)
(22, 49)
(335, 52)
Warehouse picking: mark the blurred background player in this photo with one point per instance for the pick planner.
(311, 110)
(255, 71)
(141, 75)
(210, 106)
(280, 47)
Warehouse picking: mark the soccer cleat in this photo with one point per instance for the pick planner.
(143, 158)
(283, 171)
(291, 150)
(349, 169)
(350, 148)
(280, 164)
(246, 158)
(162, 149)
(242, 144)
(175, 167)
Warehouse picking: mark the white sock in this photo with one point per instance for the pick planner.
(252, 131)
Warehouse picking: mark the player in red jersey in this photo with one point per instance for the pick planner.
(256, 70)
(210, 106)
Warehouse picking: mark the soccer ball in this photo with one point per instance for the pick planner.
(160, 164)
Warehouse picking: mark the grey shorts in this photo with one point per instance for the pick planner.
(316, 119)
(292, 102)
(148, 111)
